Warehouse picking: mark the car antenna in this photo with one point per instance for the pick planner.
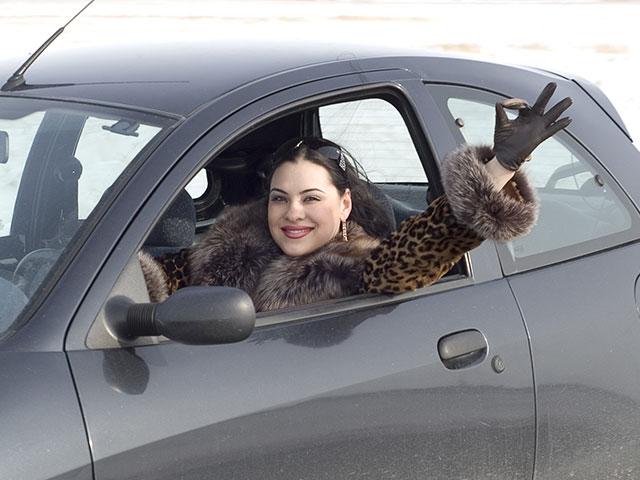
(17, 79)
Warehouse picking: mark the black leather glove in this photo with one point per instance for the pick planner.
(514, 140)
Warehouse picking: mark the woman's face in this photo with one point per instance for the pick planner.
(305, 208)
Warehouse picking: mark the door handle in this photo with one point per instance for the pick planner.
(462, 349)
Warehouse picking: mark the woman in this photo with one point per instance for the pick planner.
(320, 235)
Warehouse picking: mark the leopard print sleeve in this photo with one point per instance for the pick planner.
(165, 274)
(419, 252)
(176, 268)
(427, 245)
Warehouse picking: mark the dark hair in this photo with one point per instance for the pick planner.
(345, 172)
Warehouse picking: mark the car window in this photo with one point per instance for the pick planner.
(104, 155)
(581, 207)
(198, 185)
(20, 133)
(375, 133)
(61, 160)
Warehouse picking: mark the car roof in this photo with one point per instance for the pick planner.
(177, 78)
(174, 78)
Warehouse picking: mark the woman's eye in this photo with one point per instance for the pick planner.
(312, 199)
(278, 198)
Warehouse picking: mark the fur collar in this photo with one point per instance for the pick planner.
(238, 251)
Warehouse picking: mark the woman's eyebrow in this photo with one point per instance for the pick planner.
(302, 192)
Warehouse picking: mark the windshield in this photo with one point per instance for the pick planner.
(56, 161)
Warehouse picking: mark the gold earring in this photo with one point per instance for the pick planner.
(344, 231)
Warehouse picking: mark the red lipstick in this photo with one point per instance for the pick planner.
(294, 232)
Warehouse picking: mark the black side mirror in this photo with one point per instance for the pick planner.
(192, 315)
(4, 147)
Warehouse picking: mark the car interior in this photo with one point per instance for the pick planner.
(237, 175)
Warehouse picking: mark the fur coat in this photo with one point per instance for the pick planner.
(238, 250)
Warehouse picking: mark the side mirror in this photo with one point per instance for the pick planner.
(192, 315)
(4, 147)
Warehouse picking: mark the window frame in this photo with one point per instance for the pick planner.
(309, 107)
(511, 265)
(402, 99)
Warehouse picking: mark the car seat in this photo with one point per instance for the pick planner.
(176, 228)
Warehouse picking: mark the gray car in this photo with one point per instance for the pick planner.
(521, 363)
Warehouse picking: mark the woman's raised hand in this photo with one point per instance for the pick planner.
(515, 140)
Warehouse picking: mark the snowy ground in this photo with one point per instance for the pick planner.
(597, 40)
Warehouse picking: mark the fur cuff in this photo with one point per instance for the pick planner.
(499, 215)
(157, 281)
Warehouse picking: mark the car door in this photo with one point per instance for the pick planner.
(575, 280)
(51, 178)
(354, 387)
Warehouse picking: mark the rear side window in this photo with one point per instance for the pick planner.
(376, 134)
(582, 209)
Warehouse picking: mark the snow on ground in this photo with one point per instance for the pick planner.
(597, 40)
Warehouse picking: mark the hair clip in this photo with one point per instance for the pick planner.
(342, 163)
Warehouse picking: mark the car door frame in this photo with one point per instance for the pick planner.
(485, 266)
(215, 140)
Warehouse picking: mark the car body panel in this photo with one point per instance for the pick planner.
(387, 398)
(582, 317)
(43, 434)
(148, 190)
(350, 388)
(178, 78)
(320, 397)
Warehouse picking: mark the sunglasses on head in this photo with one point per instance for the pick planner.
(330, 151)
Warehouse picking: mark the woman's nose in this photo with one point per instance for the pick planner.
(295, 211)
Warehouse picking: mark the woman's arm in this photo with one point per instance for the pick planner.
(500, 175)
(482, 201)
(486, 196)
(164, 275)
(419, 252)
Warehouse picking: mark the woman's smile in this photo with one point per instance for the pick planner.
(295, 231)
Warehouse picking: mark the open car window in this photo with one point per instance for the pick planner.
(236, 175)
(59, 160)
(372, 129)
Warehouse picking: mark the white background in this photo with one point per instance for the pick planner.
(598, 40)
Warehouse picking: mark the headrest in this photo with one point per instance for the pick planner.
(383, 201)
(177, 226)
